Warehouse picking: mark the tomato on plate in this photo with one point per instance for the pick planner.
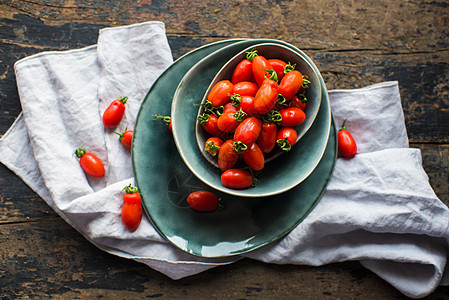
(213, 145)
(248, 131)
(229, 121)
(237, 178)
(299, 100)
(90, 163)
(286, 138)
(131, 208)
(267, 137)
(278, 66)
(292, 116)
(227, 156)
(261, 70)
(126, 137)
(290, 84)
(266, 96)
(220, 93)
(246, 103)
(203, 201)
(245, 88)
(243, 72)
(254, 157)
(346, 142)
(209, 122)
(113, 115)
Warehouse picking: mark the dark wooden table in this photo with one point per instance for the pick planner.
(354, 43)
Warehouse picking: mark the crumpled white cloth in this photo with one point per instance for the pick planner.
(378, 208)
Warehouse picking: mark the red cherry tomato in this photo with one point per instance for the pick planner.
(247, 105)
(126, 138)
(299, 102)
(292, 116)
(286, 138)
(227, 156)
(278, 66)
(254, 157)
(90, 163)
(346, 143)
(220, 93)
(213, 145)
(237, 179)
(260, 67)
(115, 112)
(245, 88)
(290, 84)
(267, 137)
(229, 107)
(131, 208)
(203, 201)
(243, 72)
(209, 122)
(248, 131)
(266, 96)
(229, 121)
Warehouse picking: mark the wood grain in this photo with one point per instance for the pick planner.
(354, 44)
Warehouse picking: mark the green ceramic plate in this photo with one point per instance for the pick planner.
(165, 182)
(280, 173)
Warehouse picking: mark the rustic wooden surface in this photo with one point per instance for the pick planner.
(354, 43)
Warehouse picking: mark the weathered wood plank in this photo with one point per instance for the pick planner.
(50, 259)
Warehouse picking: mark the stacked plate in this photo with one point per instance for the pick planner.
(165, 176)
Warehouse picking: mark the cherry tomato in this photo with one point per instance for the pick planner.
(227, 156)
(203, 201)
(292, 116)
(260, 67)
(247, 105)
(90, 163)
(267, 137)
(253, 157)
(245, 88)
(243, 72)
(278, 66)
(237, 178)
(210, 123)
(248, 131)
(131, 208)
(229, 121)
(213, 145)
(346, 143)
(115, 112)
(126, 138)
(229, 107)
(299, 102)
(290, 84)
(220, 93)
(286, 138)
(266, 96)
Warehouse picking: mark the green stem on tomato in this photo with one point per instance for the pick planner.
(240, 115)
(130, 189)
(80, 152)
(203, 119)
(289, 67)
(165, 119)
(236, 99)
(272, 75)
(284, 144)
(212, 148)
(251, 54)
(123, 99)
(305, 82)
(343, 126)
(239, 147)
(273, 116)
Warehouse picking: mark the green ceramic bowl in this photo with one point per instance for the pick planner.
(164, 180)
(267, 50)
(278, 175)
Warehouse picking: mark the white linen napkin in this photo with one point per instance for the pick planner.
(378, 207)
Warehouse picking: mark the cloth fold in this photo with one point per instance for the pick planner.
(378, 208)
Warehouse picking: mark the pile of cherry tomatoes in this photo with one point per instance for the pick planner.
(252, 113)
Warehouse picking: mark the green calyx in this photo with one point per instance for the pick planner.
(305, 82)
(251, 54)
(165, 119)
(236, 99)
(203, 119)
(239, 147)
(302, 96)
(289, 67)
(79, 152)
(211, 148)
(281, 100)
(121, 134)
(284, 144)
(209, 108)
(273, 116)
(271, 74)
(130, 189)
(240, 115)
(123, 99)
(343, 126)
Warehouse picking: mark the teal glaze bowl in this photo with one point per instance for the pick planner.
(269, 51)
(279, 174)
(164, 180)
